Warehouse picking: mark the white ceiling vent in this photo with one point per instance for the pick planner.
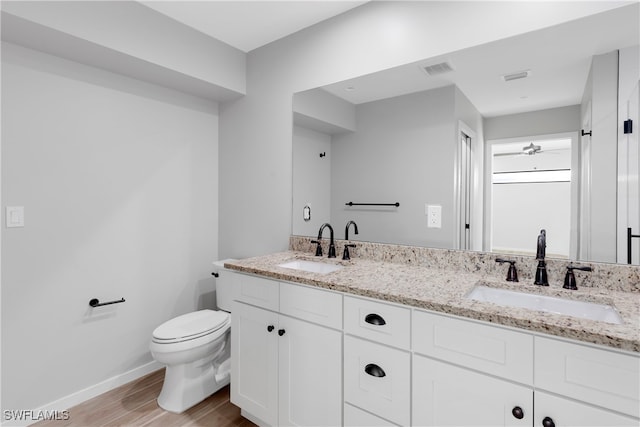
(436, 69)
(516, 76)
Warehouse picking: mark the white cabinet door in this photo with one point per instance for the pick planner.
(556, 411)
(446, 395)
(310, 374)
(254, 366)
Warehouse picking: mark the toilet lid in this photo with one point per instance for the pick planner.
(191, 326)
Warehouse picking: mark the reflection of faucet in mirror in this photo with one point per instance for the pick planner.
(332, 246)
(346, 229)
(345, 253)
(541, 270)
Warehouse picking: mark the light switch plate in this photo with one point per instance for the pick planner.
(15, 216)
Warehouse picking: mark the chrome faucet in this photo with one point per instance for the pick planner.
(332, 246)
(541, 270)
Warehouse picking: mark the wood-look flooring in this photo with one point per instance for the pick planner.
(134, 404)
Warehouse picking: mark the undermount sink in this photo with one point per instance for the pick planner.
(582, 309)
(311, 266)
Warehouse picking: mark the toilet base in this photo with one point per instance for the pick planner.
(189, 384)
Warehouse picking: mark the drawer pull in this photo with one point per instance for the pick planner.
(548, 422)
(375, 319)
(374, 370)
(517, 412)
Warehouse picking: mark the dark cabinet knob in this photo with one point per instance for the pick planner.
(548, 422)
(281, 332)
(270, 328)
(518, 412)
(375, 319)
(374, 370)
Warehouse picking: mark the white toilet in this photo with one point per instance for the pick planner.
(195, 348)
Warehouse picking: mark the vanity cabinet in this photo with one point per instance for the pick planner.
(286, 370)
(468, 373)
(296, 349)
(377, 361)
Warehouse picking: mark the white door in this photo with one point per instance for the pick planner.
(445, 395)
(310, 368)
(565, 413)
(254, 350)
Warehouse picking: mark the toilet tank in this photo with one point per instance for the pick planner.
(225, 285)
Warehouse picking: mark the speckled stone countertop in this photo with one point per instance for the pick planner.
(444, 290)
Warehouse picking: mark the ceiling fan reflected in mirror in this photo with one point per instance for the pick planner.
(527, 150)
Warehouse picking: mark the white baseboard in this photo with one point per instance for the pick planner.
(83, 395)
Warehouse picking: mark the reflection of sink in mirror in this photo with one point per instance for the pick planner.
(311, 266)
(582, 309)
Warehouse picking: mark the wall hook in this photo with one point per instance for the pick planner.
(323, 154)
(586, 133)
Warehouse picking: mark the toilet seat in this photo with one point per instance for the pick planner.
(192, 326)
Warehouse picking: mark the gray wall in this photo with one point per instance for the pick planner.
(119, 183)
(312, 178)
(543, 122)
(403, 151)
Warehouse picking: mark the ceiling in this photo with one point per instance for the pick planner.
(248, 25)
(558, 58)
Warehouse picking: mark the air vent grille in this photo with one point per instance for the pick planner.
(435, 69)
(516, 76)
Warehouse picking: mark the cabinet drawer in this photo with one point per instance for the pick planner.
(377, 379)
(599, 376)
(378, 321)
(356, 417)
(313, 305)
(258, 291)
(496, 351)
(565, 412)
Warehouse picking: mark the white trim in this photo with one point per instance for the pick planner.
(457, 186)
(90, 392)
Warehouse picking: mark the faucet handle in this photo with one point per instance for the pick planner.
(570, 278)
(318, 248)
(345, 253)
(512, 274)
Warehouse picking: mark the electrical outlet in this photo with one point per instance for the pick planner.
(434, 216)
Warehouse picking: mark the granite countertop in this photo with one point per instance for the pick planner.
(444, 291)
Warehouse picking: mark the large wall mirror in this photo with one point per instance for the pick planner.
(484, 147)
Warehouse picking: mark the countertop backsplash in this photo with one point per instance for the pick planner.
(616, 277)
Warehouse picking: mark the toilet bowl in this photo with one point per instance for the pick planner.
(195, 348)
